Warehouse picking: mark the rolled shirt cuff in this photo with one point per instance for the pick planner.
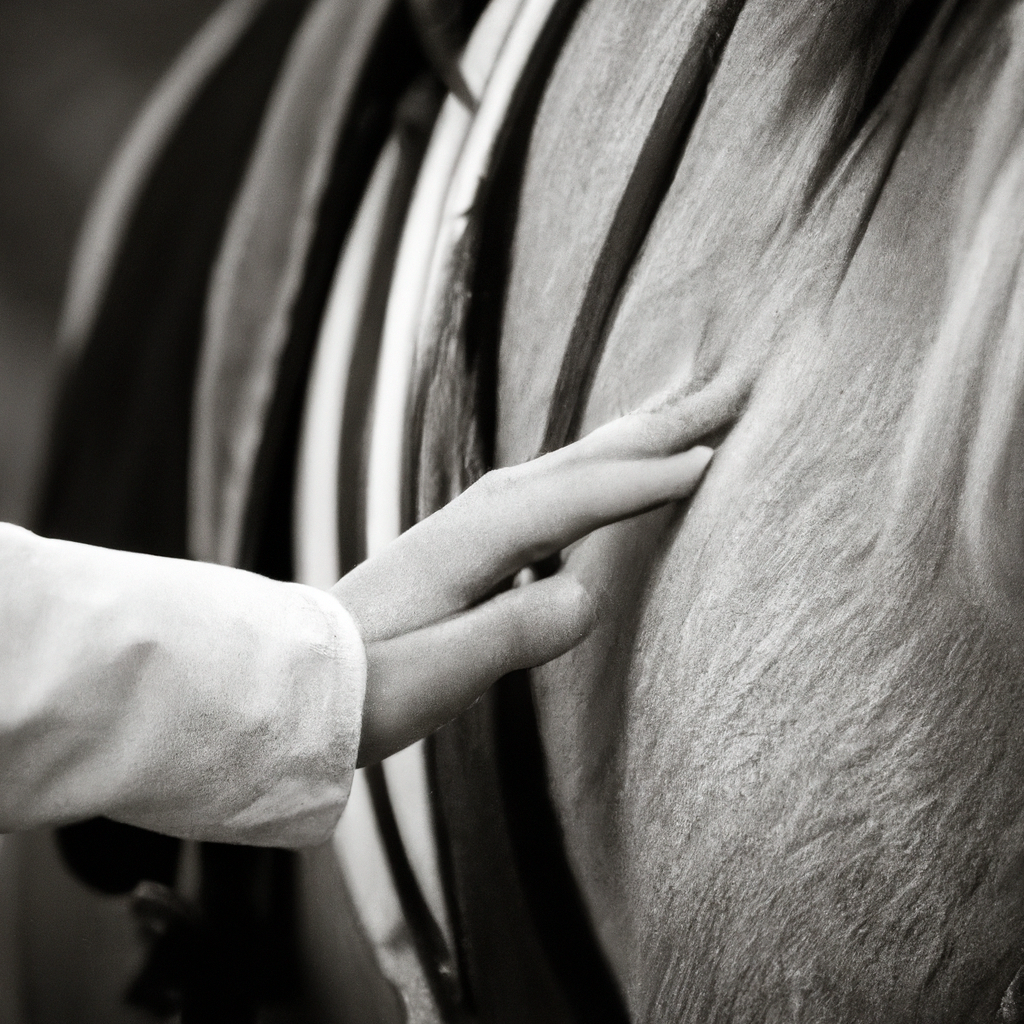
(192, 699)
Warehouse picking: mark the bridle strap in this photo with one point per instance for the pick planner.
(652, 174)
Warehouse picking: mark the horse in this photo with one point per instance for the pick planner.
(780, 779)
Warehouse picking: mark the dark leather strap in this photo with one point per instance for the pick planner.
(444, 27)
(652, 174)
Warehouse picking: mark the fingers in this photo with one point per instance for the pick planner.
(419, 681)
(512, 518)
(428, 658)
(531, 511)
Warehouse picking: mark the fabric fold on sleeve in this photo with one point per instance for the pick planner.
(188, 698)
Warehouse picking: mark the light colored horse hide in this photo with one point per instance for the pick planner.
(789, 760)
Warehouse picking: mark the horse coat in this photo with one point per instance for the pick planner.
(785, 767)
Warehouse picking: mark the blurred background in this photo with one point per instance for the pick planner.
(73, 74)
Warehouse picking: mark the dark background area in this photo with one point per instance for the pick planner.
(73, 74)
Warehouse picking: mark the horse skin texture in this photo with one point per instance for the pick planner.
(788, 761)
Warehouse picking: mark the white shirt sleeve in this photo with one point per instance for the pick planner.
(191, 699)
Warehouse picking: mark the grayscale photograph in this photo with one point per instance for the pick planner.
(512, 512)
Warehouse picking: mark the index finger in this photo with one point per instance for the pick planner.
(511, 518)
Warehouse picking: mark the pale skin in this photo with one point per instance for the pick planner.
(197, 700)
(438, 619)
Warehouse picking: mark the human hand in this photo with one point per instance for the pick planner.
(438, 623)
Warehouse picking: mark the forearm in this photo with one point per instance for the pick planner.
(188, 698)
